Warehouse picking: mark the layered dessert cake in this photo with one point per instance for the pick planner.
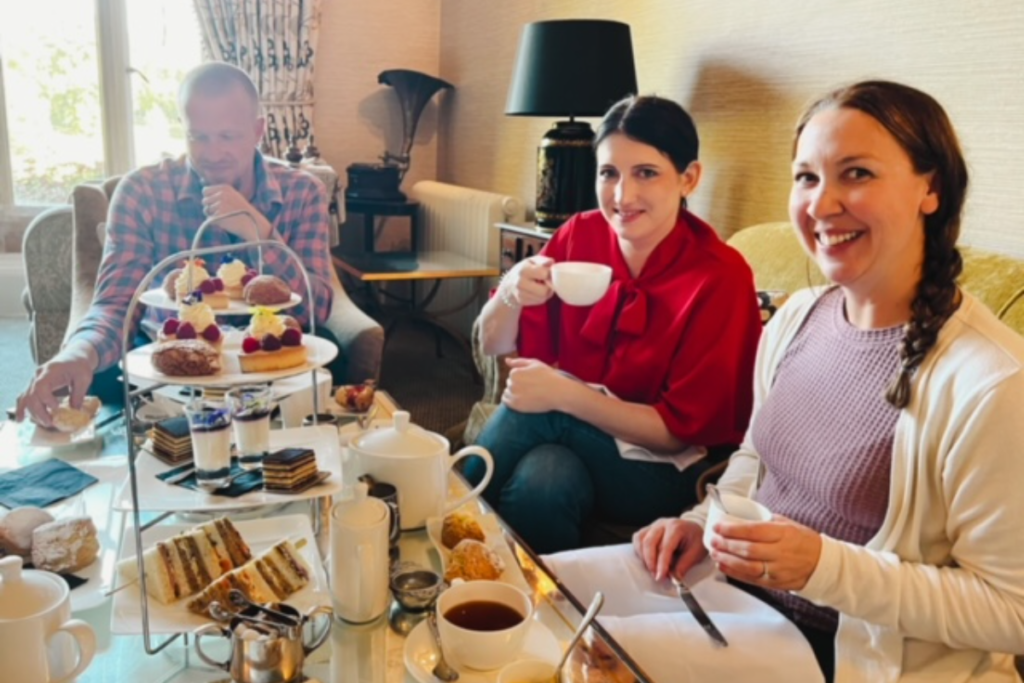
(195, 321)
(272, 342)
(272, 577)
(172, 441)
(289, 469)
(185, 564)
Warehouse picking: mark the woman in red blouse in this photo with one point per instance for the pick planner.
(672, 343)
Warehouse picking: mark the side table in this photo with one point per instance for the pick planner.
(518, 242)
(369, 209)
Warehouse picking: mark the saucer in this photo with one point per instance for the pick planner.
(421, 656)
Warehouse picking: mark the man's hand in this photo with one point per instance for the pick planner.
(536, 387)
(669, 545)
(70, 369)
(219, 200)
(777, 554)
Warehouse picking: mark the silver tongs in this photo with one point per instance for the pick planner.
(699, 614)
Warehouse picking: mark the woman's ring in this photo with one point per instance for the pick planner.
(765, 574)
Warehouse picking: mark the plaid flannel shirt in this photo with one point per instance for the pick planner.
(156, 211)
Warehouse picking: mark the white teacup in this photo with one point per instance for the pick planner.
(529, 671)
(579, 283)
(740, 509)
(483, 650)
(39, 641)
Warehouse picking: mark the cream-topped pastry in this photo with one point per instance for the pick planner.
(265, 321)
(271, 344)
(233, 272)
(195, 321)
(197, 269)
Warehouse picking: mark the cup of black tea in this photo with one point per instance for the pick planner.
(483, 624)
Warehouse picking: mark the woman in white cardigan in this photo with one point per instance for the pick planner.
(887, 428)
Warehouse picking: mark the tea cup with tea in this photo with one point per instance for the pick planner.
(579, 283)
(529, 671)
(737, 509)
(483, 624)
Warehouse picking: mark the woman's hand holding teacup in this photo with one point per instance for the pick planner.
(669, 546)
(779, 554)
(529, 281)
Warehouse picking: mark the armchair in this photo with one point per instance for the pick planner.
(64, 247)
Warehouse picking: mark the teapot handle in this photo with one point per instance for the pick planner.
(211, 629)
(463, 453)
(319, 639)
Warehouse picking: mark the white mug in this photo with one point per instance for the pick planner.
(579, 283)
(359, 560)
(35, 606)
(739, 509)
(480, 649)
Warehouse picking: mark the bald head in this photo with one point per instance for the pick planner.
(214, 79)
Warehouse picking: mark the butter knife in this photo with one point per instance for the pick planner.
(699, 614)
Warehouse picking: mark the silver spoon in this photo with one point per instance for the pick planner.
(595, 605)
(239, 600)
(713, 492)
(442, 670)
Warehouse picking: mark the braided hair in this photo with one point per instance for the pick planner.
(920, 126)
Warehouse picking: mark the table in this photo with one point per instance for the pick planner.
(374, 269)
(370, 653)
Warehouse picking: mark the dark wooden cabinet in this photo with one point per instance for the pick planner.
(518, 242)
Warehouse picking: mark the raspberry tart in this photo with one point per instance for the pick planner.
(272, 342)
(195, 321)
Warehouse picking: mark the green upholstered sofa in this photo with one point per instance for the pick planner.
(779, 263)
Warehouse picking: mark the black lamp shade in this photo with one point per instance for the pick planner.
(573, 67)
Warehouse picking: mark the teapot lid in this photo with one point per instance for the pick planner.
(401, 439)
(24, 593)
(357, 509)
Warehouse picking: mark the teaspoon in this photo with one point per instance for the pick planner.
(442, 670)
(239, 600)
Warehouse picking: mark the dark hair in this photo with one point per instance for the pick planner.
(212, 78)
(654, 121)
(920, 126)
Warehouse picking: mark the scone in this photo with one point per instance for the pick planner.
(270, 344)
(18, 525)
(186, 358)
(267, 290)
(70, 420)
(65, 545)
(457, 527)
(473, 561)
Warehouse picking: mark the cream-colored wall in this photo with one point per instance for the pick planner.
(744, 68)
(355, 118)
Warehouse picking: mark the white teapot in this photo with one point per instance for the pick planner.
(34, 607)
(417, 463)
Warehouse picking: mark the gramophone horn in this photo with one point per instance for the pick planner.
(414, 90)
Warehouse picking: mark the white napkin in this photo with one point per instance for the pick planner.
(650, 621)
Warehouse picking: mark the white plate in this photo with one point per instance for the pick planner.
(157, 496)
(157, 298)
(420, 654)
(96, 502)
(495, 539)
(320, 352)
(260, 534)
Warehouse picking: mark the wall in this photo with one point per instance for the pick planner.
(744, 68)
(355, 118)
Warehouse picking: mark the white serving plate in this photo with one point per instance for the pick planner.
(157, 496)
(260, 534)
(495, 539)
(157, 298)
(96, 502)
(420, 654)
(320, 352)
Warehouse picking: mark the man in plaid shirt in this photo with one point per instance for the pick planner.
(156, 211)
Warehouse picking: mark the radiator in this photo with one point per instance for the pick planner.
(461, 220)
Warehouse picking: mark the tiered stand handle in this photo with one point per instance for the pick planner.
(126, 339)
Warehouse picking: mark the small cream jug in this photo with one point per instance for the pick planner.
(34, 607)
(417, 462)
(360, 526)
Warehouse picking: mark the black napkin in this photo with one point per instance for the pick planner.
(71, 580)
(42, 483)
(246, 482)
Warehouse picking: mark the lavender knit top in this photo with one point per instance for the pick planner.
(825, 433)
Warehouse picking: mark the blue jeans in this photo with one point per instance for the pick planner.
(554, 473)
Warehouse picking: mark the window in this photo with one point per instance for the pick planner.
(59, 122)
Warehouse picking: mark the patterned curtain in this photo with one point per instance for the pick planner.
(274, 41)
